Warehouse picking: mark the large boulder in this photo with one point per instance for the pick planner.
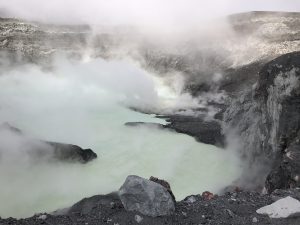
(164, 184)
(93, 204)
(147, 197)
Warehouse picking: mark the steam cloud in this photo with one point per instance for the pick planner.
(79, 103)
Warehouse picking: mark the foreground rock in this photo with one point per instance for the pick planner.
(147, 197)
(232, 208)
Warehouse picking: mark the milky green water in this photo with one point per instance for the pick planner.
(78, 104)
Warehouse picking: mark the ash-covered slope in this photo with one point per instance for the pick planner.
(229, 58)
(279, 31)
(242, 39)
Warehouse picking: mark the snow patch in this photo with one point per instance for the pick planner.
(282, 208)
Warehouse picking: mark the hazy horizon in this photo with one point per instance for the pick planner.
(138, 12)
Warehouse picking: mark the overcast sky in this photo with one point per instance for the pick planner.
(143, 12)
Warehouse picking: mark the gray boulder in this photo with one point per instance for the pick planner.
(147, 197)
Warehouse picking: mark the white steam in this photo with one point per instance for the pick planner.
(151, 13)
(82, 103)
(20, 149)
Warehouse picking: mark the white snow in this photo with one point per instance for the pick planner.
(283, 208)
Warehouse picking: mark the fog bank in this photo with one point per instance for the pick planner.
(86, 104)
(165, 14)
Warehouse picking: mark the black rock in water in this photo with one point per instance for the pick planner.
(68, 152)
(137, 124)
(47, 150)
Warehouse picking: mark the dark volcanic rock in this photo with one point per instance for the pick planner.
(279, 90)
(39, 149)
(208, 132)
(68, 152)
(165, 184)
(146, 197)
(8, 127)
(267, 121)
(240, 79)
(234, 208)
(136, 124)
(87, 205)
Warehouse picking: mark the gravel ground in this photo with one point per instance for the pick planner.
(231, 208)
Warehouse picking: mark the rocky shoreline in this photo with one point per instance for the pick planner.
(238, 207)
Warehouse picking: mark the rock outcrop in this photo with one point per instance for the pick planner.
(72, 153)
(143, 124)
(266, 119)
(205, 131)
(279, 88)
(146, 197)
(40, 150)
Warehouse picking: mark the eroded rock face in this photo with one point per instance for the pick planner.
(147, 197)
(279, 89)
(267, 121)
